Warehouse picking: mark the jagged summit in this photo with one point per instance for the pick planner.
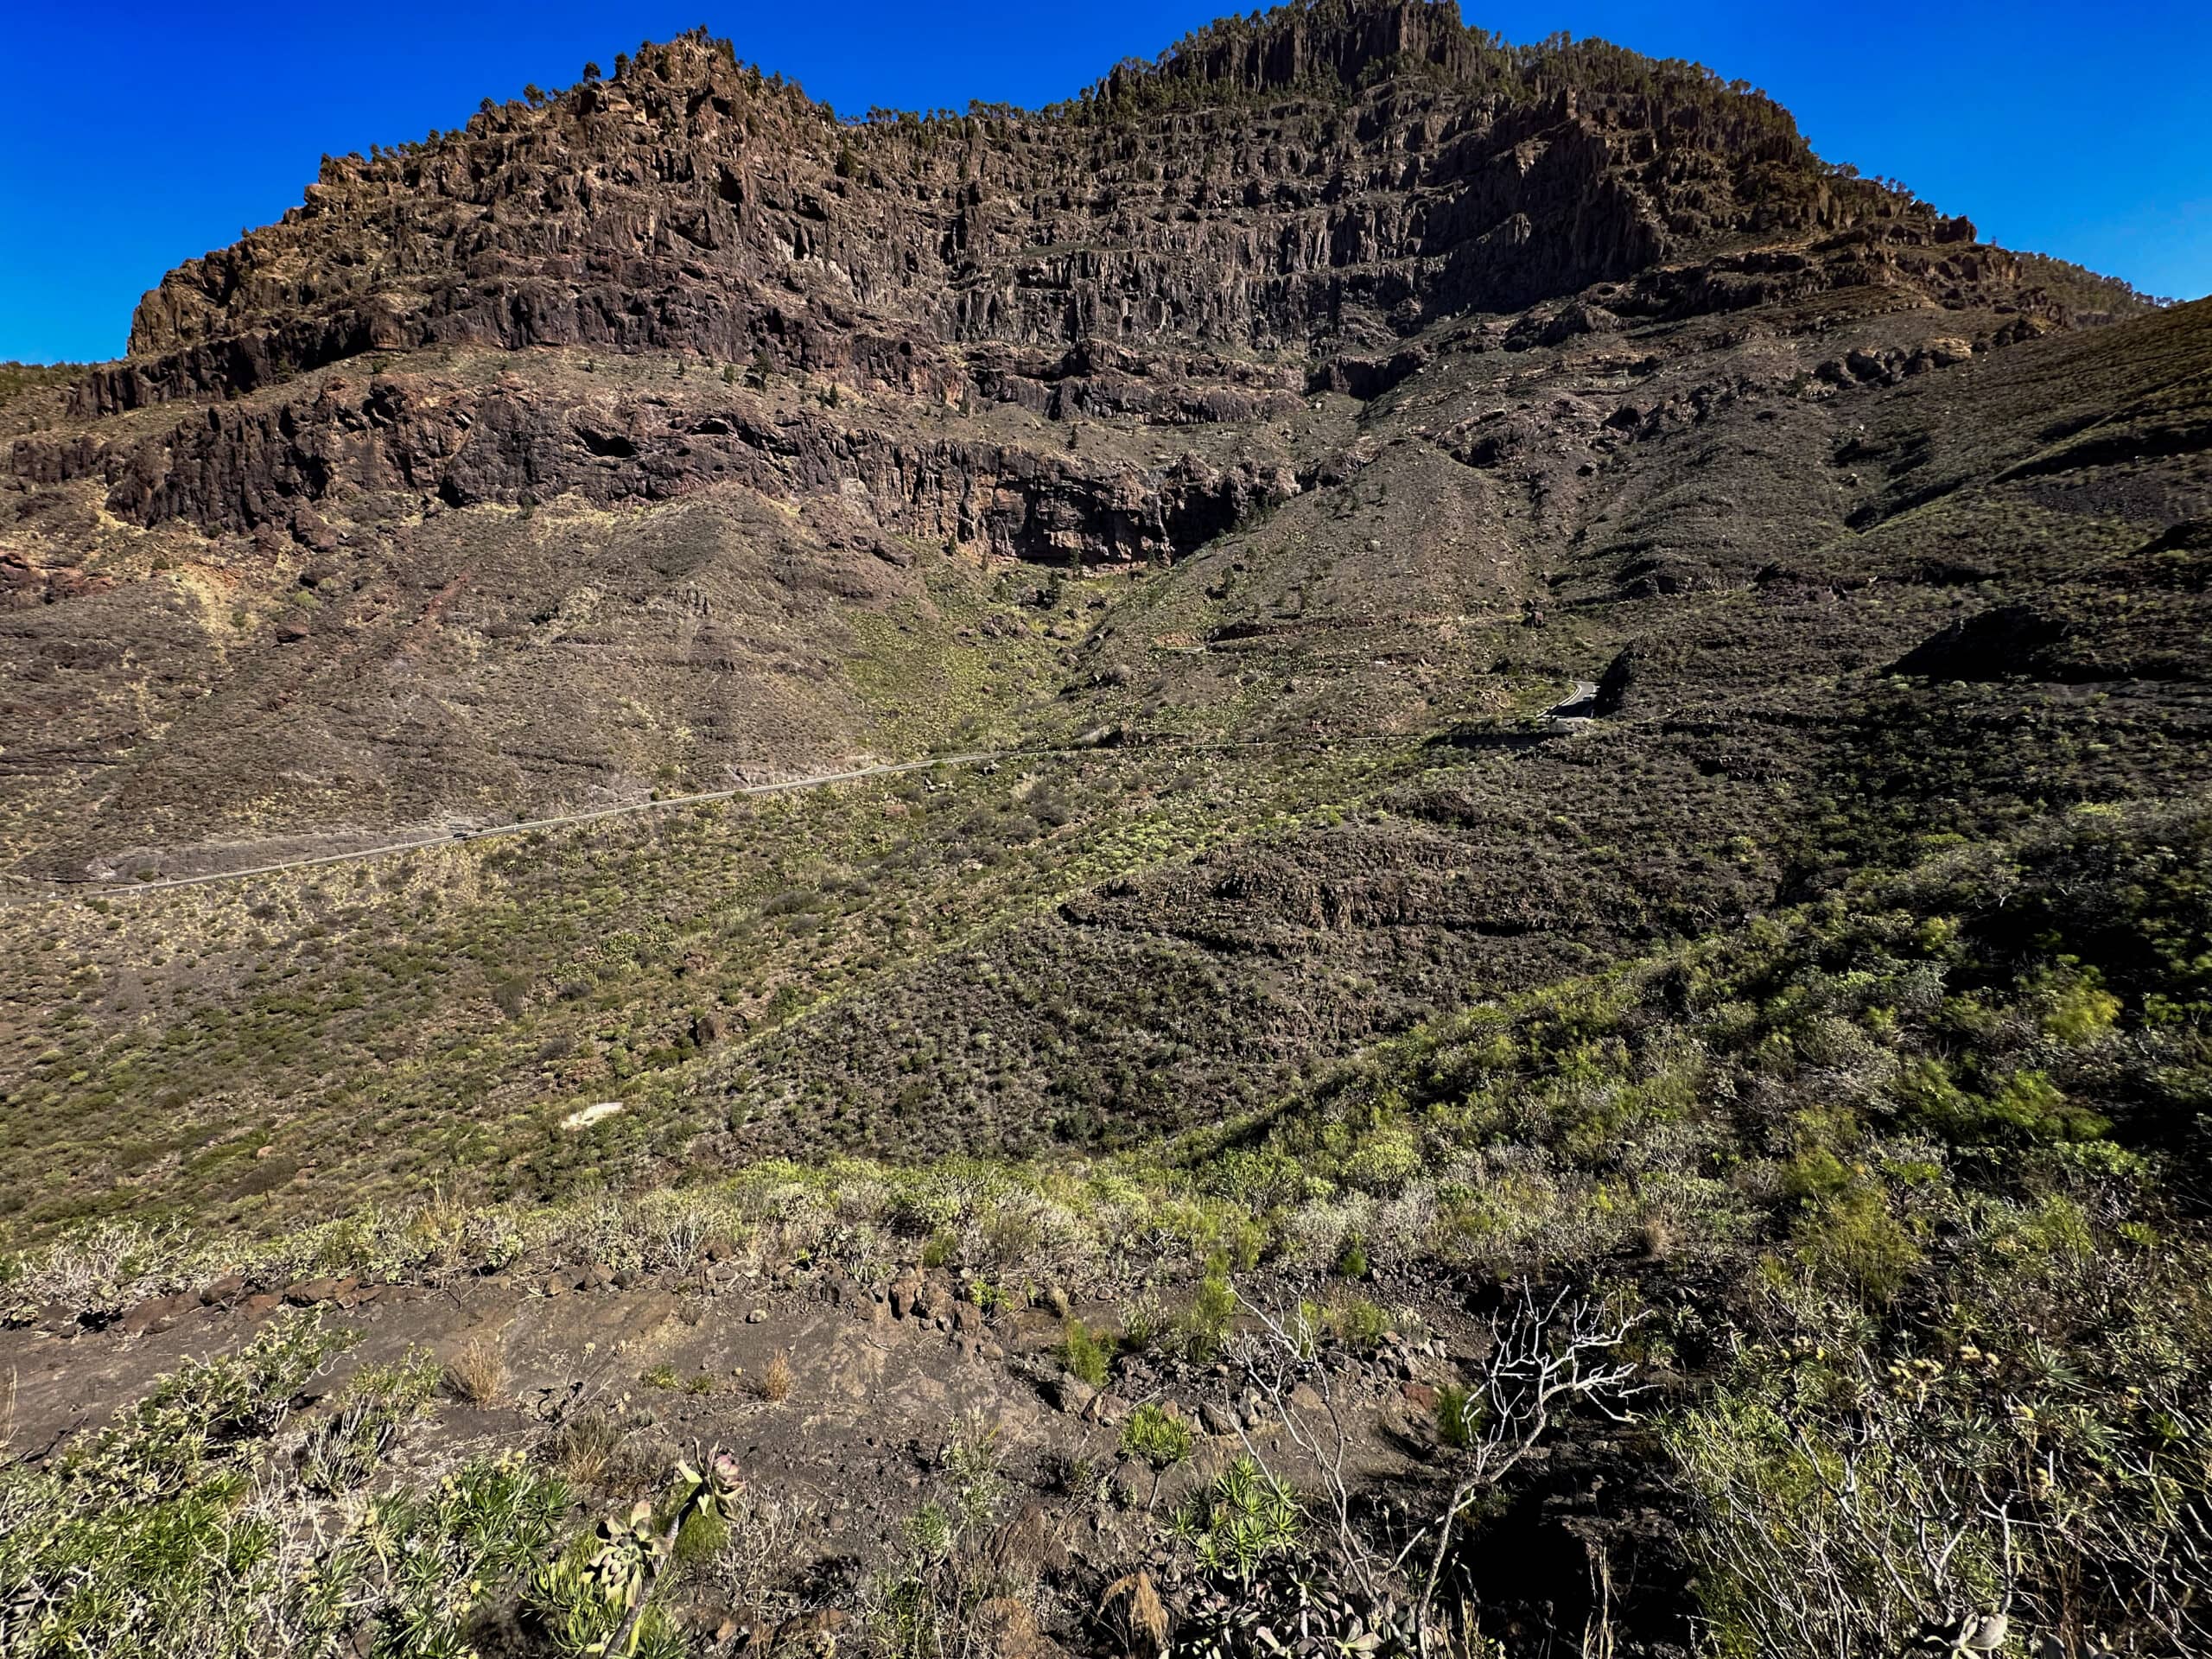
(1317, 43)
(1411, 168)
(1347, 45)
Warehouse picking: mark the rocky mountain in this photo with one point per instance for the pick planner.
(1443, 701)
(398, 504)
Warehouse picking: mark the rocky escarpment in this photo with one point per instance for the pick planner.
(1378, 166)
(1267, 212)
(241, 468)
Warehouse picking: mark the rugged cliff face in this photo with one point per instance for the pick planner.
(1092, 339)
(1336, 179)
(1191, 242)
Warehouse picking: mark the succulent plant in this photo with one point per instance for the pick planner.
(1289, 1611)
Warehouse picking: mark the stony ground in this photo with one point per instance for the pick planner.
(836, 1397)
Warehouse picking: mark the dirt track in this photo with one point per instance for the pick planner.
(816, 781)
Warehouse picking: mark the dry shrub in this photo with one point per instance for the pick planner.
(775, 1382)
(584, 1450)
(478, 1373)
(761, 1569)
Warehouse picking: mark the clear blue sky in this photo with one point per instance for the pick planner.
(135, 135)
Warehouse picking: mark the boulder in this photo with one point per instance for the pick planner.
(933, 1299)
(156, 1313)
(1106, 1409)
(1070, 1394)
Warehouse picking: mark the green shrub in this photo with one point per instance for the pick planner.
(1453, 1404)
(1157, 1438)
(1206, 1322)
(1084, 1355)
(2023, 1106)
(344, 1449)
(1361, 1323)
(1813, 1175)
(703, 1534)
(1854, 1242)
(1385, 1161)
(145, 1544)
(458, 1549)
(2077, 1007)
(1248, 1242)
(158, 1447)
(992, 1298)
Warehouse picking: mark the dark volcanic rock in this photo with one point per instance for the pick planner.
(1179, 245)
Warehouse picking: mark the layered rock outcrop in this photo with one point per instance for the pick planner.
(1265, 213)
(1345, 173)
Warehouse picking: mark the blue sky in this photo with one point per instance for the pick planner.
(136, 135)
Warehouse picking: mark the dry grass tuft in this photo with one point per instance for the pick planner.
(775, 1382)
(584, 1450)
(478, 1373)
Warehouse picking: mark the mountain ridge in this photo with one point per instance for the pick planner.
(718, 99)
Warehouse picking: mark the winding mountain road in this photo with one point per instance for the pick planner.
(1579, 705)
(1583, 698)
(889, 769)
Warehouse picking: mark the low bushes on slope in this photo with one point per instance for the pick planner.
(1902, 1192)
